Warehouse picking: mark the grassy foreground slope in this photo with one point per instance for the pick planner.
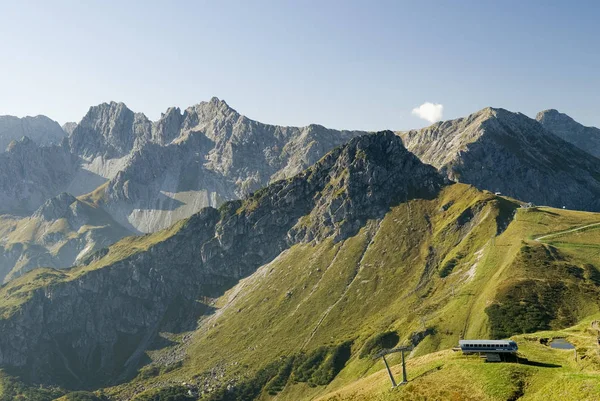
(542, 374)
(465, 264)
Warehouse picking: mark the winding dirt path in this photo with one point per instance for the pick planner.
(565, 231)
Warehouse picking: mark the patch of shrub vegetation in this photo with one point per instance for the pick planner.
(316, 368)
(248, 389)
(378, 342)
(322, 365)
(175, 393)
(448, 267)
(332, 365)
(525, 308)
(280, 380)
(13, 390)
(84, 396)
(306, 364)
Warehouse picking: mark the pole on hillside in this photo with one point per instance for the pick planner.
(389, 372)
(404, 380)
(384, 352)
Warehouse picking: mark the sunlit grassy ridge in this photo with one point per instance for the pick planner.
(430, 271)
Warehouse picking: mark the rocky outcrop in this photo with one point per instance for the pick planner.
(40, 129)
(109, 130)
(560, 124)
(93, 324)
(510, 153)
(369, 175)
(55, 208)
(30, 174)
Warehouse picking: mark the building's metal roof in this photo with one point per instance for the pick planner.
(480, 342)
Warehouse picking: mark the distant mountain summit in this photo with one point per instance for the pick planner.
(508, 152)
(585, 138)
(109, 130)
(40, 129)
(203, 156)
(30, 174)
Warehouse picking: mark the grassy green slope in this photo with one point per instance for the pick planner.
(430, 272)
(542, 374)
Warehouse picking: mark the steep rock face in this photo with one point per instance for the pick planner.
(498, 150)
(31, 174)
(163, 184)
(55, 208)
(204, 156)
(93, 324)
(560, 124)
(248, 152)
(40, 129)
(366, 178)
(109, 130)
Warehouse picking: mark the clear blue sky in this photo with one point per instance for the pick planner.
(343, 64)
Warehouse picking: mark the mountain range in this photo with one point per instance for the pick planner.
(250, 261)
(146, 176)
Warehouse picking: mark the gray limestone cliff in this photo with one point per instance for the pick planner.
(109, 130)
(560, 124)
(498, 150)
(30, 174)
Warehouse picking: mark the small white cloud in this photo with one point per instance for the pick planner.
(431, 112)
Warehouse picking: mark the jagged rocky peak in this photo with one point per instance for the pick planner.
(168, 127)
(370, 174)
(585, 138)
(110, 130)
(56, 207)
(210, 117)
(499, 150)
(214, 108)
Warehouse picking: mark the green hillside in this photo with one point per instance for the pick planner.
(464, 264)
